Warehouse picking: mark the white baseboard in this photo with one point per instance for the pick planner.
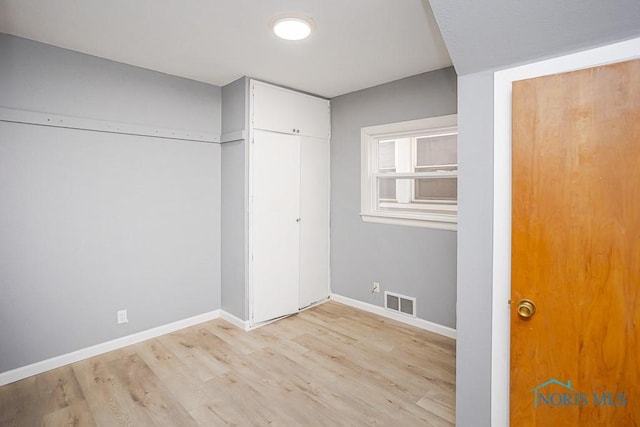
(380, 311)
(95, 350)
(245, 325)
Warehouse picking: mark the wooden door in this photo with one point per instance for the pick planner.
(576, 248)
(274, 226)
(314, 222)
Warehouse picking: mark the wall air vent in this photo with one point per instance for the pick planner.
(400, 303)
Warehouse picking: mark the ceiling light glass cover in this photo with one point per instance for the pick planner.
(291, 28)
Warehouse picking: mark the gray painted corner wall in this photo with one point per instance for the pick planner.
(234, 105)
(412, 261)
(94, 222)
(48, 79)
(233, 283)
(234, 193)
(475, 249)
(501, 33)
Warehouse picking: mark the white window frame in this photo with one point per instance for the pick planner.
(370, 136)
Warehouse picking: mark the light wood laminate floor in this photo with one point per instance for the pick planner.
(330, 365)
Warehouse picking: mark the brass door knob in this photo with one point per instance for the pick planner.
(526, 308)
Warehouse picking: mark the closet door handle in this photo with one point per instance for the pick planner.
(298, 219)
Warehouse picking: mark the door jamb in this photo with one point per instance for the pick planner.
(500, 322)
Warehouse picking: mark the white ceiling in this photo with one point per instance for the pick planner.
(356, 44)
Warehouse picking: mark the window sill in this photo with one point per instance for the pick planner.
(437, 222)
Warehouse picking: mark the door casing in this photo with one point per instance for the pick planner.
(503, 80)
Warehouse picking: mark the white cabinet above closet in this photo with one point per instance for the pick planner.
(285, 111)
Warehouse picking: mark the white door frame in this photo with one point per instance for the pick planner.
(500, 328)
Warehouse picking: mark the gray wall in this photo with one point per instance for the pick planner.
(234, 192)
(234, 105)
(481, 35)
(475, 249)
(38, 77)
(412, 261)
(94, 222)
(233, 284)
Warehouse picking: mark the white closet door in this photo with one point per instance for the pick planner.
(314, 224)
(274, 228)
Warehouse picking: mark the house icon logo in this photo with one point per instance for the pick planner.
(537, 394)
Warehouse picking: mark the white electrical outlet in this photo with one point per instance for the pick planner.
(376, 288)
(122, 317)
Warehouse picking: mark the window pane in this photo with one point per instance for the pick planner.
(386, 156)
(443, 189)
(387, 189)
(437, 151)
(418, 195)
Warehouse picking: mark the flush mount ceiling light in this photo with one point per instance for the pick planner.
(292, 28)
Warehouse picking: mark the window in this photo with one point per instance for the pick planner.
(410, 173)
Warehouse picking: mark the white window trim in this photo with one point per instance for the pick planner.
(368, 209)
